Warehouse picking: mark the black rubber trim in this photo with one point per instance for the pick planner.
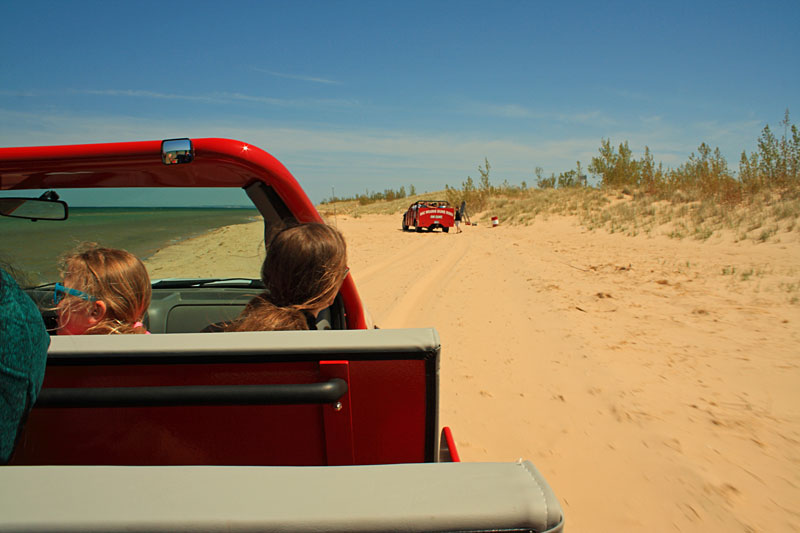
(303, 393)
(231, 356)
(270, 204)
(432, 406)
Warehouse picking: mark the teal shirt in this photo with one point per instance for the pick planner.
(23, 355)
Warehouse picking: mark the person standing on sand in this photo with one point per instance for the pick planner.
(458, 221)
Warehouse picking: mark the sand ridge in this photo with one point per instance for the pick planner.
(653, 381)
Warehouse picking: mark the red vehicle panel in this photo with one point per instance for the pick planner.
(388, 413)
(429, 214)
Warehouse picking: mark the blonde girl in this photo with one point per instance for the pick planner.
(104, 290)
(302, 273)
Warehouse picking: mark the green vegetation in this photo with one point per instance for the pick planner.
(355, 208)
(697, 199)
(371, 197)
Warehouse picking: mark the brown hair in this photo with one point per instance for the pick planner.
(302, 273)
(116, 277)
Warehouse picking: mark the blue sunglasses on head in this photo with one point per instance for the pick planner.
(59, 291)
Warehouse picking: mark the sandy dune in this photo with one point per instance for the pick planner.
(655, 382)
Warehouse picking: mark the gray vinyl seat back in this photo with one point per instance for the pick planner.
(409, 498)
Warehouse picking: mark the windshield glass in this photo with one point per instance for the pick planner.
(204, 241)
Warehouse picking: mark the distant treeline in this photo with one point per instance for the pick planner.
(774, 166)
(372, 197)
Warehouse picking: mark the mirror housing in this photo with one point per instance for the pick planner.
(177, 151)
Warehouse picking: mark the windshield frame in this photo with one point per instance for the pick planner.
(216, 162)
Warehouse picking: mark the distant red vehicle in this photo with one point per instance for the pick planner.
(430, 214)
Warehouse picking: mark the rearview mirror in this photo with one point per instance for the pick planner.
(34, 208)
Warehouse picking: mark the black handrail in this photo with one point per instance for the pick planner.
(301, 393)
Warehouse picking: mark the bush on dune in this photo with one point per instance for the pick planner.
(698, 198)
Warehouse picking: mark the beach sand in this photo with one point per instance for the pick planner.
(655, 382)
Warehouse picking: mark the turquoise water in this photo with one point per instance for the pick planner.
(33, 248)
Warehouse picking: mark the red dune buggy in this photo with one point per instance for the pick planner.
(429, 214)
(238, 431)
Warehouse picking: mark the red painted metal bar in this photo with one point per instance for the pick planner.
(449, 452)
(338, 417)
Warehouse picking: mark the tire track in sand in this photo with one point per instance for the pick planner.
(407, 255)
(435, 274)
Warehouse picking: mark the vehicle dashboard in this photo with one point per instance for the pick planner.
(191, 306)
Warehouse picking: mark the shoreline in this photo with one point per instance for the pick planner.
(235, 250)
(193, 235)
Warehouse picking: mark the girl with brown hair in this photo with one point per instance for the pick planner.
(104, 290)
(302, 273)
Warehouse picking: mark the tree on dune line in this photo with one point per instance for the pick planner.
(372, 197)
(775, 165)
(477, 196)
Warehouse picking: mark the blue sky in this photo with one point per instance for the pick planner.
(375, 95)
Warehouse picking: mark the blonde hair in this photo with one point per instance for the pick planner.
(116, 277)
(303, 270)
